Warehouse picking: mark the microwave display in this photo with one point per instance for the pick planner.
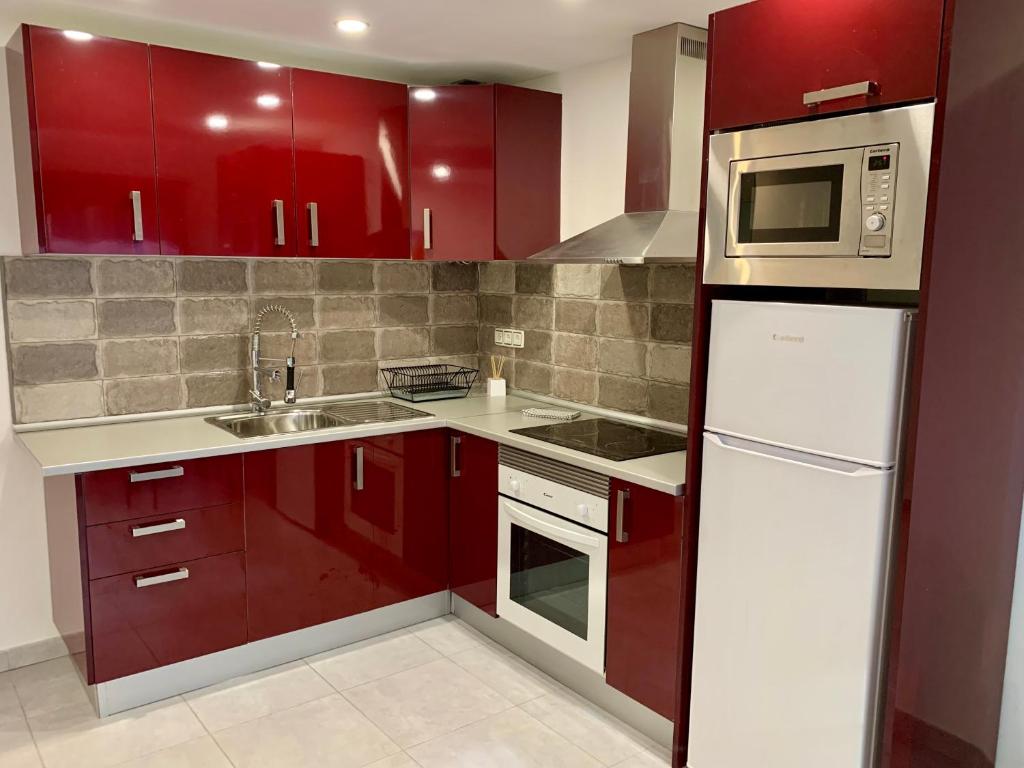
(798, 205)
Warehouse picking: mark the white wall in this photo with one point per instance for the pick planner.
(1011, 728)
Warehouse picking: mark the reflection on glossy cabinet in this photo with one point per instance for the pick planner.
(351, 166)
(766, 55)
(474, 520)
(485, 171)
(89, 120)
(224, 154)
(644, 576)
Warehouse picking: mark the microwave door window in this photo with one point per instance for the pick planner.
(550, 579)
(800, 205)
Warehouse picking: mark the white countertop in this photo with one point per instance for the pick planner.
(88, 448)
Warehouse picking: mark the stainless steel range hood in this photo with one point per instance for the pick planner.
(663, 155)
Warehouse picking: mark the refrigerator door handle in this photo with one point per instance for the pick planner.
(777, 453)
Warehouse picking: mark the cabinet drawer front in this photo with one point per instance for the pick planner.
(160, 489)
(148, 619)
(152, 542)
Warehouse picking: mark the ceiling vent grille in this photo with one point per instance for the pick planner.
(694, 49)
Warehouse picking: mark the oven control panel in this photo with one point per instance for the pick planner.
(565, 501)
(878, 199)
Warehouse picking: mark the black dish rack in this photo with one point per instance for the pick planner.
(417, 383)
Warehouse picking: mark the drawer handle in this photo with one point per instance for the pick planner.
(178, 574)
(314, 224)
(621, 534)
(865, 88)
(136, 197)
(455, 457)
(157, 474)
(428, 227)
(278, 222)
(358, 483)
(149, 530)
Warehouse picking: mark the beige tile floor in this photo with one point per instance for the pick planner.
(434, 695)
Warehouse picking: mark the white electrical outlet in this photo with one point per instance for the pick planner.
(508, 337)
(517, 339)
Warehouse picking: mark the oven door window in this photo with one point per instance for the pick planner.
(550, 579)
(798, 205)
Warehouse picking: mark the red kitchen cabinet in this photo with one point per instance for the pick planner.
(88, 120)
(224, 154)
(485, 171)
(473, 510)
(767, 54)
(351, 166)
(644, 576)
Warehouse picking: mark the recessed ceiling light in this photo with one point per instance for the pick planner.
(268, 101)
(217, 122)
(267, 65)
(424, 94)
(74, 34)
(352, 26)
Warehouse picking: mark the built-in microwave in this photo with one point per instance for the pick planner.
(838, 202)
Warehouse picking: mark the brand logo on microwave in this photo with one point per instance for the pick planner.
(786, 338)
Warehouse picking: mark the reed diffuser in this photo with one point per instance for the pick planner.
(495, 382)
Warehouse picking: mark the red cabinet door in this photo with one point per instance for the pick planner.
(644, 573)
(351, 166)
(451, 130)
(91, 115)
(473, 506)
(224, 153)
(766, 55)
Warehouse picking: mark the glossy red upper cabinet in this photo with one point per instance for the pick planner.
(351, 166)
(766, 55)
(473, 511)
(644, 576)
(85, 128)
(486, 164)
(224, 153)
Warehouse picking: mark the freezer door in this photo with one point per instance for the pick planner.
(791, 577)
(822, 379)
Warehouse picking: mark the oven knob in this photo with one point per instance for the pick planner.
(583, 511)
(875, 222)
(514, 486)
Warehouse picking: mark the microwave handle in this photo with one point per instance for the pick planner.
(865, 88)
(555, 531)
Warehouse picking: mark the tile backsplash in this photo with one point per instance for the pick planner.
(96, 336)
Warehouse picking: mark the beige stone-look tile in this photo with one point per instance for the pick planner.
(214, 315)
(282, 276)
(200, 354)
(222, 388)
(17, 749)
(669, 362)
(672, 322)
(497, 277)
(349, 312)
(326, 733)
(350, 378)
(372, 659)
(453, 309)
(136, 317)
(37, 652)
(576, 385)
(513, 678)
(51, 320)
(533, 377)
(10, 706)
(511, 739)
(139, 357)
(622, 393)
(201, 753)
(588, 727)
(394, 343)
(537, 346)
(48, 277)
(347, 346)
(52, 402)
(582, 280)
(344, 276)
(626, 358)
(624, 320)
(448, 635)
(212, 277)
(625, 283)
(454, 276)
(673, 283)
(668, 402)
(575, 350)
(143, 395)
(426, 701)
(48, 363)
(402, 310)
(535, 278)
(308, 383)
(135, 277)
(576, 316)
(454, 340)
(533, 312)
(495, 309)
(280, 346)
(74, 737)
(301, 308)
(251, 697)
(399, 277)
(401, 760)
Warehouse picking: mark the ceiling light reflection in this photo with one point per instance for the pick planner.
(267, 65)
(217, 122)
(268, 101)
(78, 37)
(441, 172)
(352, 26)
(424, 94)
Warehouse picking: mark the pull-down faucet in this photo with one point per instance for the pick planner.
(257, 401)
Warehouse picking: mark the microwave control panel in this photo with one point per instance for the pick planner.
(878, 193)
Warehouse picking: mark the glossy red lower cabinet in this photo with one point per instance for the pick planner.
(149, 619)
(473, 507)
(644, 573)
(337, 529)
(151, 542)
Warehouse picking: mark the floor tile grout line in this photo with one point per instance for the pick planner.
(209, 733)
(28, 724)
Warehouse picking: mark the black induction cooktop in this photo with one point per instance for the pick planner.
(606, 438)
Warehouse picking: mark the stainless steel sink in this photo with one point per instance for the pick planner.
(285, 421)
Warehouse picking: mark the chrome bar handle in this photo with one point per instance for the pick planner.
(136, 197)
(621, 534)
(865, 88)
(456, 465)
(156, 474)
(178, 574)
(359, 468)
(148, 530)
(428, 235)
(314, 225)
(279, 222)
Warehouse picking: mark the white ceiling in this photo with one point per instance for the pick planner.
(428, 41)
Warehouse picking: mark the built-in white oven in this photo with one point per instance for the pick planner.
(553, 553)
(838, 202)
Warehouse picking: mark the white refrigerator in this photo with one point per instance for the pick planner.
(798, 491)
